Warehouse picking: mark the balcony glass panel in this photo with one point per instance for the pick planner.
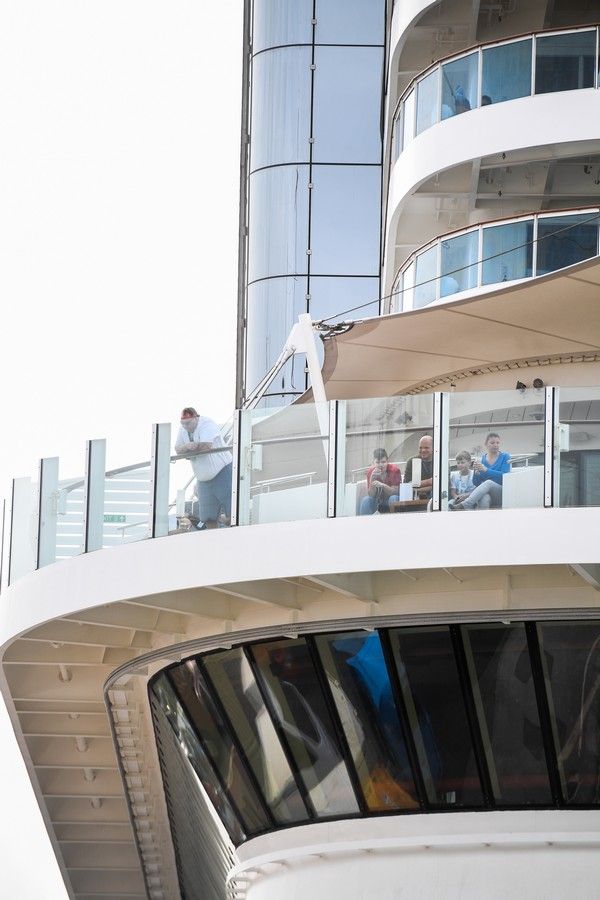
(506, 72)
(23, 528)
(289, 678)
(459, 86)
(398, 133)
(194, 753)
(384, 455)
(407, 298)
(204, 715)
(408, 131)
(577, 447)
(571, 660)
(507, 252)
(234, 682)
(433, 698)
(565, 240)
(505, 700)
(427, 101)
(199, 491)
(281, 88)
(284, 459)
(346, 105)
(127, 496)
(360, 685)
(278, 22)
(459, 263)
(426, 280)
(496, 443)
(565, 62)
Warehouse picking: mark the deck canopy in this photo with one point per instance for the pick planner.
(542, 319)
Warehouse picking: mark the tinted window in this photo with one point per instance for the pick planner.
(273, 308)
(565, 240)
(565, 62)
(278, 229)
(278, 22)
(350, 21)
(506, 72)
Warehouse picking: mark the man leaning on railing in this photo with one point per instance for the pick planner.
(198, 435)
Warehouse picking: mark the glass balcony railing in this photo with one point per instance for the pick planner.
(541, 63)
(533, 447)
(498, 252)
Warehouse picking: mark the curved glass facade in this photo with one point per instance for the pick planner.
(541, 63)
(496, 253)
(314, 172)
(491, 715)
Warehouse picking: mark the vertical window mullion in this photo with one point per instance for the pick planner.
(464, 677)
(540, 685)
(279, 731)
(413, 757)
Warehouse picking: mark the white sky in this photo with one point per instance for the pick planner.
(119, 171)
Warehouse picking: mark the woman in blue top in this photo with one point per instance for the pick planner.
(487, 478)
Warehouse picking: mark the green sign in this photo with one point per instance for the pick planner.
(114, 518)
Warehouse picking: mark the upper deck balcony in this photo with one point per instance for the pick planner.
(313, 461)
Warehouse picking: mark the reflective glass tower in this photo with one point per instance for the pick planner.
(311, 172)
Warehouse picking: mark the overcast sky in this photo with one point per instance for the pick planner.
(119, 170)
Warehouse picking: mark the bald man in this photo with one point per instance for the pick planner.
(426, 457)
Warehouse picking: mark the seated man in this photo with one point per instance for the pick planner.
(383, 480)
(426, 456)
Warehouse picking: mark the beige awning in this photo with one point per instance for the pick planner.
(541, 318)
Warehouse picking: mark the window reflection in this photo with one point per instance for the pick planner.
(427, 101)
(564, 62)
(329, 296)
(564, 241)
(459, 263)
(426, 281)
(278, 22)
(345, 220)
(273, 308)
(506, 72)
(506, 706)
(347, 101)
(362, 692)
(192, 750)
(350, 21)
(280, 123)
(278, 228)
(571, 657)
(433, 696)
(201, 710)
(234, 682)
(578, 447)
(288, 676)
(507, 252)
(459, 86)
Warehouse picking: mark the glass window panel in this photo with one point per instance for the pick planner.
(571, 658)
(577, 447)
(506, 72)
(192, 749)
(500, 671)
(329, 296)
(427, 101)
(280, 125)
(278, 228)
(214, 734)
(459, 263)
(459, 86)
(396, 300)
(362, 692)
(426, 280)
(398, 132)
(278, 22)
(505, 471)
(290, 679)
(273, 308)
(285, 463)
(565, 62)
(350, 21)
(433, 697)
(347, 104)
(345, 220)
(408, 117)
(234, 682)
(507, 252)
(564, 241)
(394, 427)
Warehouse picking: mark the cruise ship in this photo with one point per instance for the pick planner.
(345, 689)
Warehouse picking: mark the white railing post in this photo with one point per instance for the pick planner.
(550, 429)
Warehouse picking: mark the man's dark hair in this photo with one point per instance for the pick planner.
(380, 453)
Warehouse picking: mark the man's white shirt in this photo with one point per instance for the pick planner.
(207, 465)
